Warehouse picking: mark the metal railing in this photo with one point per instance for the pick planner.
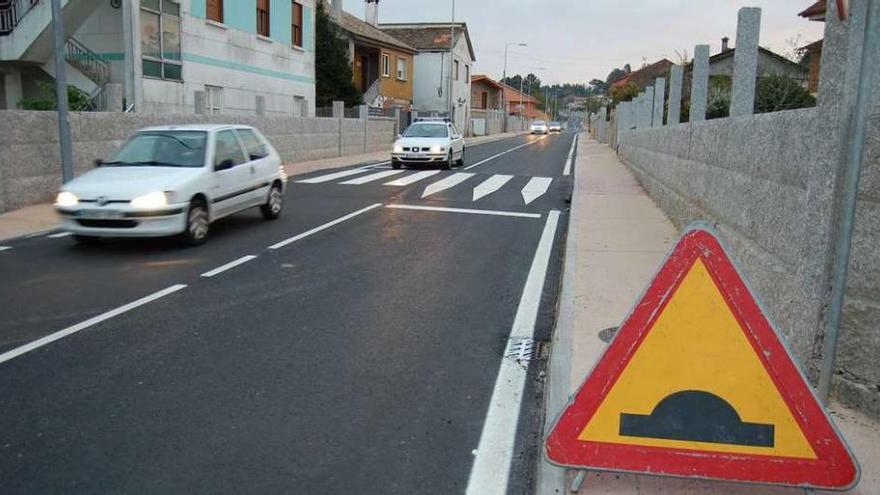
(88, 62)
(372, 93)
(12, 12)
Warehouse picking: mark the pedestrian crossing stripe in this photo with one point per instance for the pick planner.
(535, 188)
(697, 383)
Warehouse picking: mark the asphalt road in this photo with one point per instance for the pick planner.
(356, 349)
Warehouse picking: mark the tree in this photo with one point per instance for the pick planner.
(615, 75)
(598, 87)
(627, 68)
(333, 75)
(776, 93)
(624, 92)
(77, 99)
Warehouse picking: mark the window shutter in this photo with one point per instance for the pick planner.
(215, 10)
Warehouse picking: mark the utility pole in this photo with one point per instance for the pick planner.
(61, 94)
(128, 49)
(452, 64)
(504, 83)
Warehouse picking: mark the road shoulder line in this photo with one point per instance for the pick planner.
(490, 473)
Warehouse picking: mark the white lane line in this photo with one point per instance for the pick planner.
(444, 184)
(59, 235)
(14, 353)
(380, 164)
(570, 161)
(511, 150)
(465, 210)
(4, 248)
(331, 177)
(536, 188)
(412, 179)
(491, 185)
(323, 227)
(229, 266)
(491, 470)
(372, 177)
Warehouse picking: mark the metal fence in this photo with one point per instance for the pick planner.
(324, 112)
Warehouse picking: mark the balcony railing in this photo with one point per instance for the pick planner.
(12, 12)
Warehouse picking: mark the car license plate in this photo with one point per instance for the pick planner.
(412, 155)
(100, 214)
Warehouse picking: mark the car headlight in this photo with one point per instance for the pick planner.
(150, 201)
(398, 148)
(66, 199)
(438, 149)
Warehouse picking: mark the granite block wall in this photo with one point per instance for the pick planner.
(30, 161)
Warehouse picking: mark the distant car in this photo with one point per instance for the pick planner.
(540, 127)
(555, 127)
(429, 141)
(174, 180)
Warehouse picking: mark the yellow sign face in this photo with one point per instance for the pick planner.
(723, 374)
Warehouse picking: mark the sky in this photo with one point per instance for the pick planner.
(579, 40)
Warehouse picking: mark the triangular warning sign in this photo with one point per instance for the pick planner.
(697, 384)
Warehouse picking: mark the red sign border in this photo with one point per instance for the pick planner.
(835, 467)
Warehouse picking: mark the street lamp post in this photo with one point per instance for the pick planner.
(504, 82)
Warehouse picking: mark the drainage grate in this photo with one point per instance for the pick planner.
(525, 350)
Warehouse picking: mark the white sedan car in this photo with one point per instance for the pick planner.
(174, 180)
(540, 127)
(429, 142)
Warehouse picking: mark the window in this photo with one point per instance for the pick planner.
(467, 73)
(214, 10)
(455, 70)
(263, 17)
(214, 99)
(484, 100)
(297, 34)
(226, 147)
(254, 146)
(160, 39)
(386, 65)
(300, 106)
(401, 68)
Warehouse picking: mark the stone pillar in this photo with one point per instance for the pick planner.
(745, 62)
(113, 96)
(339, 115)
(676, 76)
(700, 84)
(659, 102)
(648, 107)
(12, 86)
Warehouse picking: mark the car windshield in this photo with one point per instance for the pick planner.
(539, 122)
(162, 149)
(426, 131)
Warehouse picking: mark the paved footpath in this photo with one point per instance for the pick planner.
(617, 238)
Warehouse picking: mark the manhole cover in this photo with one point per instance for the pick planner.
(525, 350)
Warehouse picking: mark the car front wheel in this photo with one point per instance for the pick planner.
(197, 224)
(447, 164)
(274, 204)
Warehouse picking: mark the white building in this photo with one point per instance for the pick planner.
(434, 66)
(161, 56)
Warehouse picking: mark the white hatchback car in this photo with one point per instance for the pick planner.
(174, 180)
(539, 127)
(428, 142)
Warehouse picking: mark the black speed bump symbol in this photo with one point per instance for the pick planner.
(699, 417)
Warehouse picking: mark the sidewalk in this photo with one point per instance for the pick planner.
(617, 238)
(37, 218)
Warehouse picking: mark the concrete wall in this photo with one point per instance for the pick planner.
(30, 169)
(756, 178)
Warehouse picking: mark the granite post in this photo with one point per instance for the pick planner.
(659, 102)
(676, 76)
(700, 84)
(745, 62)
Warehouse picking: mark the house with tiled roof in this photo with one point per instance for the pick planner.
(813, 51)
(646, 75)
(382, 65)
(444, 60)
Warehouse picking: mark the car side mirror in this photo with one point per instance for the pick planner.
(99, 162)
(224, 165)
